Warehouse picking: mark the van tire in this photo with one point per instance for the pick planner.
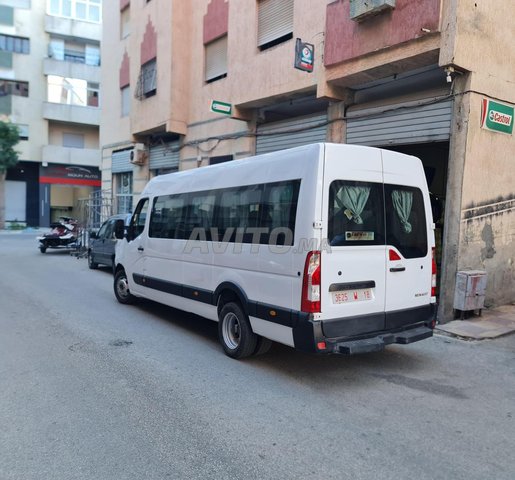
(121, 288)
(263, 346)
(235, 333)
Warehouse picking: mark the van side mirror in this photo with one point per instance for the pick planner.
(93, 235)
(119, 229)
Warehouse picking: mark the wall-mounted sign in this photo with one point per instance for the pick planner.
(221, 107)
(304, 56)
(70, 175)
(496, 116)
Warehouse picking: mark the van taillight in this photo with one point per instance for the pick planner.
(433, 273)
(310, 302)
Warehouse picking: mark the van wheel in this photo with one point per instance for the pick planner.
(263, 345)
(42, 249)
(235, 332)
(91, 263)
(121, 288)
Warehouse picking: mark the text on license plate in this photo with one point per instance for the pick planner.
(348, 296)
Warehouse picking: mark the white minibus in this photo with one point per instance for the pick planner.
(328, 248)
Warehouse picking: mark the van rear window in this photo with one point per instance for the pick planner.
(366, 213)
(406, 220)
(356, 213)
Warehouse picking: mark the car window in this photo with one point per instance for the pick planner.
(102, 231)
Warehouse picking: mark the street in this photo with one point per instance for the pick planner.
(92, 389)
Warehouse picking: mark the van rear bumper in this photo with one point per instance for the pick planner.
(344, 336)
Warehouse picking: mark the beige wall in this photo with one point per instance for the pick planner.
(56, 131)
(481, 42)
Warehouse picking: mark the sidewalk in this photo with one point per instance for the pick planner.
(491, 324)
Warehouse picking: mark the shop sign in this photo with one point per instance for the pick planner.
(304, 56)
(496, 116)
(221, 107)
(70, 175)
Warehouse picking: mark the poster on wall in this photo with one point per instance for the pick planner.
(496, 116)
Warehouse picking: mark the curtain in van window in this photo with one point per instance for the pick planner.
(354, 199)
(402, 203)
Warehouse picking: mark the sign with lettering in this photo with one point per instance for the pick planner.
(304, 56)
(496, 116)
(221, 107)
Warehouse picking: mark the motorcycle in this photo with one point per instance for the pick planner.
(64, 234)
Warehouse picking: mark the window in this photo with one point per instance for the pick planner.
(126, 100)
(125, 22)
(137, 224)
(12, 44)
(254, 213)
(13, 87)
(72, 91)
(87, 10)
(73, 140)
(147, 82)
(406, 220)
(6, 15)
(363, 213)
(356, 214)
(124, 192)
(275, 22)
(216, 59)
(23, 131)
(74, 52)
(167, 216)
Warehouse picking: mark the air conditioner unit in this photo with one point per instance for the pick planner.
(362, 9)
(139, 154)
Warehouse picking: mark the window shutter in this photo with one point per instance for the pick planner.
(216, 58)
(275, 19)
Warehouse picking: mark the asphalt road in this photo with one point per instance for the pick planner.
(91, 389)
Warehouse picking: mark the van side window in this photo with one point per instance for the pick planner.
(279, 211)
(356, 213)
(406, 220)
(201, 206)
(167, 216)
(138, 218)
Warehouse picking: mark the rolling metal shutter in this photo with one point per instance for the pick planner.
(299, 131)
(275, 19)
(400, 124)
(164, 156)
(216, 58)
(121, 161)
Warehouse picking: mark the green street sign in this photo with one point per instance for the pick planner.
(221, 107)
(497, 117)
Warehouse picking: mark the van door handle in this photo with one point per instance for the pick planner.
(397, 269)
(140, 249)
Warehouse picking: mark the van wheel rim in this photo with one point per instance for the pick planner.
(231, 331)
(123, 287)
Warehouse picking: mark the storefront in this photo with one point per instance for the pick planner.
(60, 189)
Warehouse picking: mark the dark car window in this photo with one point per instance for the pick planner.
(103, 229)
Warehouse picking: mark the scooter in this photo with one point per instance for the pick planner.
(64, 234)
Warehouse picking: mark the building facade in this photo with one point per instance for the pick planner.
(49, 87)
(190, 84)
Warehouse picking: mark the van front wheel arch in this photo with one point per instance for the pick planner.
(235, 333)
(121, 288)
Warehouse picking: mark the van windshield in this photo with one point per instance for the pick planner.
(366, 213)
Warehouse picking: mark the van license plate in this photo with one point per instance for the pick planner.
(348, 296)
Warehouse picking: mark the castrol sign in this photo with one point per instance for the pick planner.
(496, 116)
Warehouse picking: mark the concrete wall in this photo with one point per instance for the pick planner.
(346, 39)
(480, 42)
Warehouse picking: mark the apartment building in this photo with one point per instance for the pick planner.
(195, 83)
(49, 87)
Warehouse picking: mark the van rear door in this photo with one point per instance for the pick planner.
(354, 261)
(409, 239)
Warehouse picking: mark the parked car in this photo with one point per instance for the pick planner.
(102, 243)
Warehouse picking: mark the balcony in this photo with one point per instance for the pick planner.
(70, 27)
(87, 157)
(65, 69)
(71, 113)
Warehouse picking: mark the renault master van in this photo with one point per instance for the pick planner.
(327, 248)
